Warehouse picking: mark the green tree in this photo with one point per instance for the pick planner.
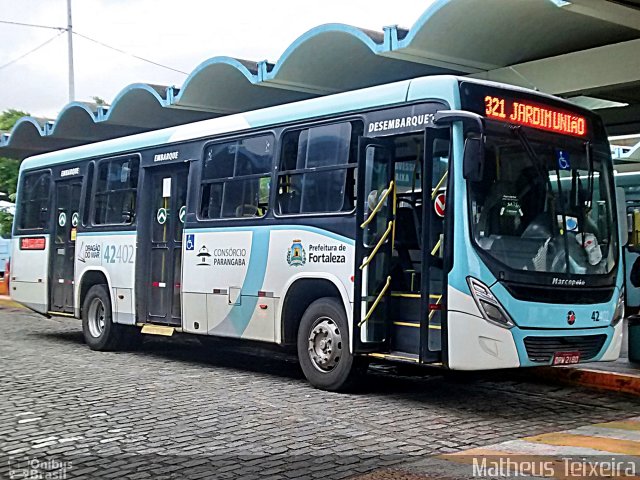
(8, 171)
(9, 117)
(98, 101)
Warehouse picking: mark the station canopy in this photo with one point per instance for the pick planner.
(583, 50)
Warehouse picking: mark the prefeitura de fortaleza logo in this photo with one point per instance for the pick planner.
(296, 256)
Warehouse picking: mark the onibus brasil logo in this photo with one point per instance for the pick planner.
(296, 256)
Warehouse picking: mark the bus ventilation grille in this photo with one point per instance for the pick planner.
(555, 295)
(541, 349)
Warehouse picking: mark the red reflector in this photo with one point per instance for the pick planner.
(155, 284)
(33, 243)
(263, 306)
(435, 306)
(177, 285)
(262, 294)
(353, 278)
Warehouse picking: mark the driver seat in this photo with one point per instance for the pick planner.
(502, 213)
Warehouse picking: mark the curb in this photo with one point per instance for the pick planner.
(599, 379)
(6, 302)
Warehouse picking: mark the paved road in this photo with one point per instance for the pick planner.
(175, 409)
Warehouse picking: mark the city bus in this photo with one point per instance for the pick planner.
(435, 221)
(627, 177)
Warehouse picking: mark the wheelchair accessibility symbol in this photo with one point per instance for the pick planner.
(191, 241)
(563, 160)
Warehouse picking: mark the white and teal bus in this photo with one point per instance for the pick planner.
(627, 176)
(441, 221)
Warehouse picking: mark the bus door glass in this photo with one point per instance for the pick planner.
(434, 282)
(66, 210)
(167, 215)
(375, 241)
(632, 253)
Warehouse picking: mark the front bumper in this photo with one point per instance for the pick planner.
(475, 344)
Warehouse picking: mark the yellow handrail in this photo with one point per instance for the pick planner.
(435, 190)
(432, 312)
(376, 302)
(436, 248)
(383, 197)
(378, 245)
(393, 215)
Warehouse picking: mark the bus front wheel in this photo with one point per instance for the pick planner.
(100, 333)
(323, 345)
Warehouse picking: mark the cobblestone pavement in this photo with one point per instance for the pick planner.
(175, 409)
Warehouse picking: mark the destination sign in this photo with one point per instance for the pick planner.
(523, 108)
(534, 115)
(33, 243)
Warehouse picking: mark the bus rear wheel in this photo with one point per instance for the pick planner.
(100, 333)
(323, 346)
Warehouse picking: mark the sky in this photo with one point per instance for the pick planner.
(178, 34)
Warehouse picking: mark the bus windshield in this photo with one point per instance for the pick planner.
(544, 204)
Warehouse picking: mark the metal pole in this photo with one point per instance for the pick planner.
(72, 87)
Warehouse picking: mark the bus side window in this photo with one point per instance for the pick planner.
(317, 169)
(34, 201)
(86, 202)
(115, 191)
(236, 178)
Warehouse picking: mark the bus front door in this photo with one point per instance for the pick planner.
(435, 222)
(374, 244)
(67, 205)
(167, 215)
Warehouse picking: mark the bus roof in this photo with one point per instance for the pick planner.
(439, 87)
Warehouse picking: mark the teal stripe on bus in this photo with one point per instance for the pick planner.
(238, 319)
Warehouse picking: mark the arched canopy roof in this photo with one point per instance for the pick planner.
(577, 48)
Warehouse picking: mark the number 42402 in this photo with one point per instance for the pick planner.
(119, 253)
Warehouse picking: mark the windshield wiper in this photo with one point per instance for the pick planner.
(585, 203)
(591, 172)
(533, 156)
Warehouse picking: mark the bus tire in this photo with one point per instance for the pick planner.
(323, 345)
(100, 333)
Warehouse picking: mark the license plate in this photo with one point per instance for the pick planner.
(566, 358)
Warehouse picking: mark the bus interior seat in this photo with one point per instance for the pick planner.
(407, 248)
(493, 218)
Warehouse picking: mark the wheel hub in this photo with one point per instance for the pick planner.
(325, 344)
(96, 317)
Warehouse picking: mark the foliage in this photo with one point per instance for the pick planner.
(8, 170)
(8, 178)
(9, 117)
(98, 100)
(6, 221)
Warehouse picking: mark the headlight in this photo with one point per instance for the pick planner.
(489, 305)
(618, 314)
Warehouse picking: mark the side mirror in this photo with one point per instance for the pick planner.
(473, 160)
